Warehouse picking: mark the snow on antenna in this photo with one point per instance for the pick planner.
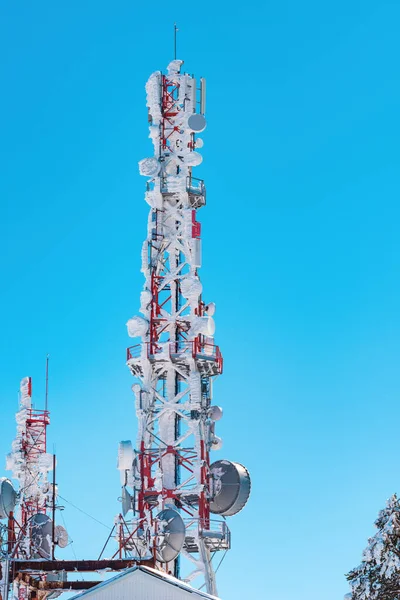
(30, 530)
(170, 487)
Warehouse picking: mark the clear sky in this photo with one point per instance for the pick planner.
(301, 253)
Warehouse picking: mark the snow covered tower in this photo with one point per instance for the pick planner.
(30, 464)
(170, 488)
(27, 528)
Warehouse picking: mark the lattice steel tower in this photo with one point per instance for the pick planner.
(30, 464)
(170, 489)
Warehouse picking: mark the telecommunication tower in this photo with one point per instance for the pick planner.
(28, 510)
(29, 460)
(172, 494)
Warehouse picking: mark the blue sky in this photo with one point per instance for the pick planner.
(301, 254)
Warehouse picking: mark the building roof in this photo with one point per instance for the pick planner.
(151, 576)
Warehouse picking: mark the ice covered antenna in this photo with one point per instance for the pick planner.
(28, 460)
(29, 507)
(171, 490)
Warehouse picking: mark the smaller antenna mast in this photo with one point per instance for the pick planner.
(175, 36)
(46, 402)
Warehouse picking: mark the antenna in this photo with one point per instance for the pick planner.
(175, 36)
(47, 384)
(176, 489)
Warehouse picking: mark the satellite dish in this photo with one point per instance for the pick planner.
(216, 443)
(127, 501)
(8, 498)
(137, 327)
(193, 159)
(210, 309)
(215, 413)
(231, 487)
(41, 527)
(197, 122)
(199, 143)
(61, 537)
(171, 534)
(150, 167)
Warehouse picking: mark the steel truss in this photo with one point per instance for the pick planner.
(177, 360)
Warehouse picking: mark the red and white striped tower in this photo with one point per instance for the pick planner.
(176, 360)
(30, 464)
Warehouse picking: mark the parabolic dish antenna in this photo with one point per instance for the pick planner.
(171, 534)
(231, 487)
(197, 122)
(210, 309)
(215, 413)
(8, 498)
(41, 534)
(149, 167)
(193, 159)
(216, 443)
(127, 501)
(61, 537)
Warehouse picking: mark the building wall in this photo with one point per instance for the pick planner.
(141, 586)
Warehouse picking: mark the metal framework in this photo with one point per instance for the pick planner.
(29, 463)
(176, 360)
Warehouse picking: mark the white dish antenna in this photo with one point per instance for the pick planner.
(125, 455)
(215, 413)
(150, 167)
(127, 501)
(171, 534)
(216, 443)
(137, 327)
(8, 498)
(193, 159)
(210, 309)
(61, 537)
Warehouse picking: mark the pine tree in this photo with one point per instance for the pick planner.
(378, 575)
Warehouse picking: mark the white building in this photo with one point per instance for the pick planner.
(143, 583)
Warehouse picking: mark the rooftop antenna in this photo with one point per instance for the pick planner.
(47, 384)
(175, 36)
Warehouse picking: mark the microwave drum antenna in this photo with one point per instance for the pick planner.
(231, 482)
